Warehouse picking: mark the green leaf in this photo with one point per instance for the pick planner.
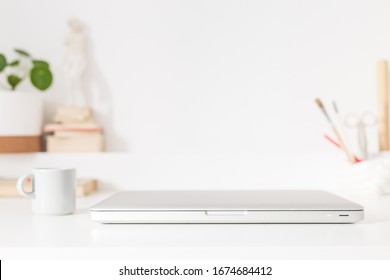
(22, 52)
(13, 80)
(41, 77)
(3, 62)
(40, 63)
(14, 63)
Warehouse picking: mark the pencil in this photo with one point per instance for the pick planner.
(322, 107)
(339, 146)
(343, 134)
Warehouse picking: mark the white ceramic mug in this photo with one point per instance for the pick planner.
(53, 190)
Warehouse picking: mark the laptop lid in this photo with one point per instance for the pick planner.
(252, 206)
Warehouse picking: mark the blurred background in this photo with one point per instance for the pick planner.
(211, 93)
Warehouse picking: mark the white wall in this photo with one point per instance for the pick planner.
(227, 86)
(212, 76)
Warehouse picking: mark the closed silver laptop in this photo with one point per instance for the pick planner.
(263, 206)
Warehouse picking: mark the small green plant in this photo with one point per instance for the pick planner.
(24, 66)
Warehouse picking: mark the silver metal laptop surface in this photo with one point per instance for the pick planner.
(263, 206)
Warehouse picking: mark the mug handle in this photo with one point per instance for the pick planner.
(19, 185)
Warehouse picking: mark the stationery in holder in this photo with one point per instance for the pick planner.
(383, 108)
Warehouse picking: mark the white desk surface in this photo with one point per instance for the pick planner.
(24, 235)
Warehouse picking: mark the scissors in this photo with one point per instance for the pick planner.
(361, 122)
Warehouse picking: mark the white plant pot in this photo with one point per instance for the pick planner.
(21, 113)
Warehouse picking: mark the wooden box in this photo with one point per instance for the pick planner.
(20, 144)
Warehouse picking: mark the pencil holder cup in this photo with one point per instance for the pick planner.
(381, 172)
(372, 175)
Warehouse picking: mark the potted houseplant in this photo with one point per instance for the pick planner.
(21, 113)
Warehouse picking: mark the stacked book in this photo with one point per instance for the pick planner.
(8, 187)
(74, 130)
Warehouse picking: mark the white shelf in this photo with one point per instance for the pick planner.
(117, 170)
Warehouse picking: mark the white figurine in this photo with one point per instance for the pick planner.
(75, 63)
